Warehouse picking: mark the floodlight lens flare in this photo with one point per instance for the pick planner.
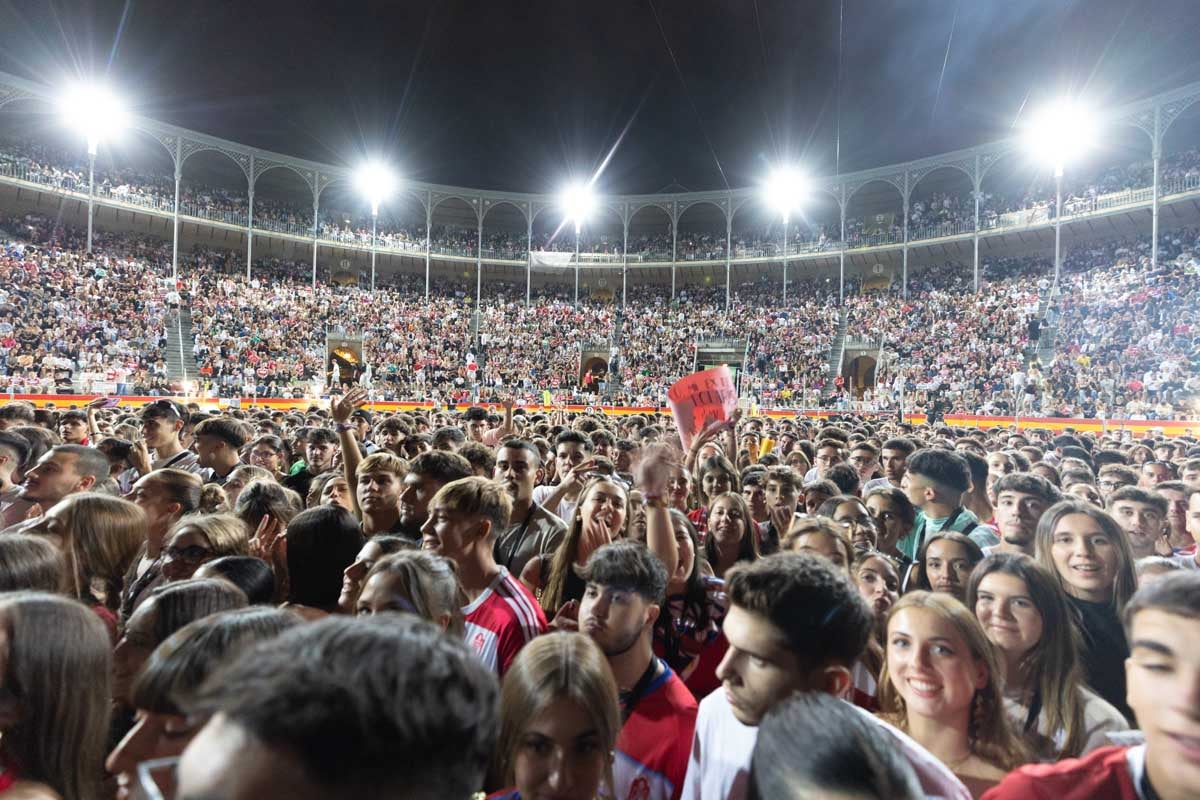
(578, 202)
(1061, 133)
(375, 181)
(93, 110)
(785, 189)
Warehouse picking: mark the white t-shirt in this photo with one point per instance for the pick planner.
(719, 765)
(565, 509)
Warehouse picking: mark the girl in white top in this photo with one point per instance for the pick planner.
(1026, 617)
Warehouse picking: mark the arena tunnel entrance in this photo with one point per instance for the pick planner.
(859, 374)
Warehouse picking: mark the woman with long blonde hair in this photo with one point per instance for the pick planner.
(100, 536)
(1027, 618)
(942, 684)
(559, 721)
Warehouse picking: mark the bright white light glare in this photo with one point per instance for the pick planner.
(578, 202)
(785, 189)
(95, 111)
(376, 181)
(1061, 133)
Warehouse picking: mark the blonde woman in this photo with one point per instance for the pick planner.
(942, 685)
(1089, 555)
(99, 536)
(1027, 618)
(559, 722)
(200, 538)
(414, 582)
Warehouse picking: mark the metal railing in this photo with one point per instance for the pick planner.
(70, 181)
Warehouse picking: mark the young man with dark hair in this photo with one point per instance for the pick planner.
(449, 439)
(427, 473)
(626, 585)
(73, 427)
(393, 432)
(796, 624)
(531, 530)
(218, 442)
(572, 458)
(1021, 499)
(15, 414)
(501, 615)
(320, 448)
(63, 470)
(322, 711)
(1142, 514)
(782, 494)
(1113, 476)
(864, 457)
(162, 425)
(1162, 624)
(892, 458)
(829, 452)
(1156, 472)
(475, 421)
(935, 481)
(1176, 495)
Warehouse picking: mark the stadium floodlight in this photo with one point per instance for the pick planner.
(785, 190)
(94, 110)
(376, 182)
(1061, 132)
(578, 202)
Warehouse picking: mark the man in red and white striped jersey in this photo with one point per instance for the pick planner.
(501, 615)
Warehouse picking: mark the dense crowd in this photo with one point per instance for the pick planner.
(251, 604)
(1123, 338)
(931, 214)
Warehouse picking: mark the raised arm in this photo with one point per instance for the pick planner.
(341, 410)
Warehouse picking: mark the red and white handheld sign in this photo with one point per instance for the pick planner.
(701, 398)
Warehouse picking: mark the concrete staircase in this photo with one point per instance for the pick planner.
(181, 362)
(838, 350)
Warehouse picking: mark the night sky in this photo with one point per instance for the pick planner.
(522, 95)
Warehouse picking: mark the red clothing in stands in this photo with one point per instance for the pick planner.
(1100, 775)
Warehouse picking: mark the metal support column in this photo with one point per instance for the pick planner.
(250, 179)
(904, 285)
(316, 226)
(978, 181)
(428, 234)
(91, 189)
(674, 242)
(728, 254)
(175, 212)
(479, 259)
(1156, 153)
(374, 240)
(842, 250)
(529, 257)
(1058, 176)
(785, 242)
(576, 263)
(625, 262)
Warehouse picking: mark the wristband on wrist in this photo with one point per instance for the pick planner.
(654, 501)
(342, 427)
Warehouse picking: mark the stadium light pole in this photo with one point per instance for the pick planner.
(578, 202)
(1059, 133)
(96, 112)
(376, 182)
(784, 191)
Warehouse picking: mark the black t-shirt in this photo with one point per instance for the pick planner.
(299, 483)
(1104, 651)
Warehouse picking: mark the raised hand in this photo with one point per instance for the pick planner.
(347, 404)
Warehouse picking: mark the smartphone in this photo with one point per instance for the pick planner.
(111, 402)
